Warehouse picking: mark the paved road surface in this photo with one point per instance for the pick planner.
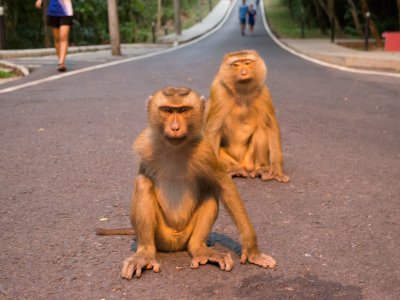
(66, 168)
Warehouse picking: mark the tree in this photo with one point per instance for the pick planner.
(178, 23)
(320, 18)
(159, 14)
(354, 14)
(113, 24)
(200, 12)
(372, 26)
(329, 9)
(398, 8)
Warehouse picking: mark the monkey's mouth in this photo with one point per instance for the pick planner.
(245, 80)
(175, 140)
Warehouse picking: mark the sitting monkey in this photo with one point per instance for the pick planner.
(177, 192)
(240, 120)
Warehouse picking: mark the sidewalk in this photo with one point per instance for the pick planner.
(332, 53)
(212, 20)
(322, 50)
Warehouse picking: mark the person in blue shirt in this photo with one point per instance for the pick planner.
(59, 17)
(252, 17)
(243, 9)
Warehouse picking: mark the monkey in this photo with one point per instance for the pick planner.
(240, 119)
(178, 188)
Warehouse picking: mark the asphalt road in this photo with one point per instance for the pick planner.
(66, 167)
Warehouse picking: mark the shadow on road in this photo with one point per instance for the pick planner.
(272, 287)
(308, 287)
(214, 238)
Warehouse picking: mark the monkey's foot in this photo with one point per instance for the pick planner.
(238, 173)
(259, 259)
(277, 176)
(269, 173)
(224, 260)
(134, 264)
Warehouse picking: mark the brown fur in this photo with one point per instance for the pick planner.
(175, 201)
(240, 120)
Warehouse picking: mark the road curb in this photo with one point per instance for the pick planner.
(217, 14)
(333, 63)
(48, 51)
(19, 70)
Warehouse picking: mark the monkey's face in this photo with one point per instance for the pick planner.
(176, 113)
(243, 70)
(175, 122)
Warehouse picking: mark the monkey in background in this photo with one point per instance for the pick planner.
(240, 121)
(177, 192)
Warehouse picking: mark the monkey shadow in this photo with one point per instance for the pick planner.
(213, 238)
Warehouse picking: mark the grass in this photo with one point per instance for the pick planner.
(6, 73)
(283, 25)
(192, 14)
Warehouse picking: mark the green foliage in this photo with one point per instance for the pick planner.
(285, 17)
(6, 74)
(20, 17)
(25, 24)
(287, 22)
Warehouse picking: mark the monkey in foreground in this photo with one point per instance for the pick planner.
(175, 200)
(240, 119)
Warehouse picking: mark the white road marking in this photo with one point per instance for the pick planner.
(276, 40)
(109, 64)
(319, 62)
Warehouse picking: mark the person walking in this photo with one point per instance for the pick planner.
(252, 17)
(59, 17)
(243, 9)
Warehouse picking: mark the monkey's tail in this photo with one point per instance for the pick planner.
(117, 231)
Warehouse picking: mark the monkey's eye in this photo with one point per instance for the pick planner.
(236, 64)
(166, 110)
(183, 110)
(248, 63)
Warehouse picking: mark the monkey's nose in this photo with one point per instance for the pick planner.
(175, 126)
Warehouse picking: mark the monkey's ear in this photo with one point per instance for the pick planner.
(149, 99)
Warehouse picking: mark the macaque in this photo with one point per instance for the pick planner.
(177, 191)
(240, 119)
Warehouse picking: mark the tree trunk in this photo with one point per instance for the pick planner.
(113, 26)
(177, 10)
(354, 13)
(331, 15)
(290, 6)
(398, 8)
(372, 27)
(200, 13)
(46, 29)
(159, 15)
(321, 20)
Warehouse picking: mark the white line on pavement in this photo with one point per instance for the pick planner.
(319, 62)
(88, 69)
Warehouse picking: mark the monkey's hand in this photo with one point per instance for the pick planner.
(134, 265)
(258, 258)
(202, 256)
